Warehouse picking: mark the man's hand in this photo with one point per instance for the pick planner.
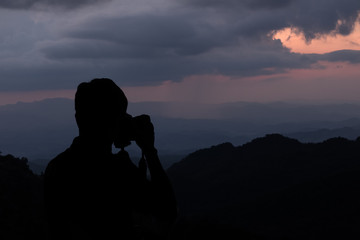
(144, 132)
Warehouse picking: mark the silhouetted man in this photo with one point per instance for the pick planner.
(91, 193)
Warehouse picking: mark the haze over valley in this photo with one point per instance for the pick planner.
(41, 130)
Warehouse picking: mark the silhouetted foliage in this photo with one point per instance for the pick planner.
(21, 200)
(275, 187)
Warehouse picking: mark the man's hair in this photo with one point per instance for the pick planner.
(99, 96)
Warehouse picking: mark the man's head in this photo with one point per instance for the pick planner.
(99, 105)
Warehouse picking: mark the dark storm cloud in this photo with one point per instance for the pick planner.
(232, 38)
(313, 18)
(351, 56)
(139, 37)
(96, 49)
(316, 18)
(260, 58)
(145, 64)
(267, 3)
(28, 4)
(255, 4)
(149, 49)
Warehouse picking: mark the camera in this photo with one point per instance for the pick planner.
(130, 129)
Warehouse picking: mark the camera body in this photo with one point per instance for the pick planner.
(130, 129)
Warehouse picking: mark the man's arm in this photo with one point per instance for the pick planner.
(162, 198)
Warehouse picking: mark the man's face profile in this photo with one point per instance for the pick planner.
(100, 107)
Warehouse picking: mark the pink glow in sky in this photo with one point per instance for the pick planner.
(295, 41)
(326, 82)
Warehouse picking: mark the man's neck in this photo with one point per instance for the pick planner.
(96, 144)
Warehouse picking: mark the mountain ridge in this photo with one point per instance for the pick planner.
(274, 185)
(43, 129)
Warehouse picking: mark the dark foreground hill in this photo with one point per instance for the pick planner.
(273, 187)
(270, 188)
(21, 200)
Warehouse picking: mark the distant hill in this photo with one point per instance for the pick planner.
(275, 187)
(37, 130)
(41, 130)
(324, 133)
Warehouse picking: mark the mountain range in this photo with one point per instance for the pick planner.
(41, 130)
(273, 187)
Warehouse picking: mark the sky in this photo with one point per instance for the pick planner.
(204, 51)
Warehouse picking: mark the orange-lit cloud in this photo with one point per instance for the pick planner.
(295, 41)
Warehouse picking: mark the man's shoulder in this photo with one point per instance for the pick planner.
(59, 161)
(64, 158)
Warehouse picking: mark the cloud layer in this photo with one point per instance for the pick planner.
(314, 18)
(45, 4)
(142, 44)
